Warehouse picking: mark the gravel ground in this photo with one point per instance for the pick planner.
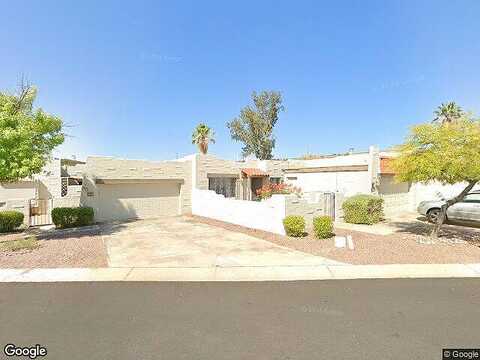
(407, 246)
(58, 249)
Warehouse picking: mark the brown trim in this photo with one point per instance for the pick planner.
(212, 175)
(328, 169)
(130, 181)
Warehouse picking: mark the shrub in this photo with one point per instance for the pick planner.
(64, 217)
(10, 220)
(363, 209)
(323, 227)
(270, 189)
(294, 225)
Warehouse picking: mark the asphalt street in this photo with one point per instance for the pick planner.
(339, 319)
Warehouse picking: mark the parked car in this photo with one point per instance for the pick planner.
(466, 210)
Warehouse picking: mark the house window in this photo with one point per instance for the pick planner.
(64, 186)
(223, 185)
(275, 180)
(74, 181)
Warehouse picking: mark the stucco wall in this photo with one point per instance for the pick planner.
(266, 215)
(17, 191)
(132, 171)
(309, 208)
(338, 160)
(209, 164)
(67, 201)
(20, 205)
(49, 180)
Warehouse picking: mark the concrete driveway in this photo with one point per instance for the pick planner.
(182, 242)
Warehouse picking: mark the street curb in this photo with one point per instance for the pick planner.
(243, 273)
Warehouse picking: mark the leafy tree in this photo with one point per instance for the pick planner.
(447, 113)
(27, 136)
(254, 126)
(202, 136)
(445, 152)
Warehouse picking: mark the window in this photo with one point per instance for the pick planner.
(275, 180)
(74, 181)
(223, 185)
(64, 186)
(472, 198)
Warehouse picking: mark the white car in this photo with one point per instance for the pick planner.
(466, 210)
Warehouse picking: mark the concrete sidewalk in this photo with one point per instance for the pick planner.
(243, 273)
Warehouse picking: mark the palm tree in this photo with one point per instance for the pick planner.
(448, 113)
(202, 136)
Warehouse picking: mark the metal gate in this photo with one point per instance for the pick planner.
(40, 212)
(329, 204)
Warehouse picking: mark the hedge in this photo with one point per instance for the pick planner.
(363, 209)
(10, 220)
(323, 227)
(64, 217)
(294, 225)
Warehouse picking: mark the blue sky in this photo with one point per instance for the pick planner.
(133, 79)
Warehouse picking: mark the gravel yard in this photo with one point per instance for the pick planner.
(57, 249)
(408, 245)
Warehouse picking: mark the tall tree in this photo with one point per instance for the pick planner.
(254, 126)
(445, 153)
(27, 136)
(448, 113)
(202, 136)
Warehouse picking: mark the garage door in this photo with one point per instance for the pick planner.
(138, 200)
(347, 182)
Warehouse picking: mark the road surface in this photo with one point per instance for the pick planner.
(340, 319)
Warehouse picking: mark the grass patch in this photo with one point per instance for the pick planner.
(29, 243)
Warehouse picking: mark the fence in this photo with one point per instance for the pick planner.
(264, 215)
(40, 212)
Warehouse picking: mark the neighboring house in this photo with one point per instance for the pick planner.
(120, 189)
(58, 184)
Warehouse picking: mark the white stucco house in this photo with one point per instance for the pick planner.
(205, 185)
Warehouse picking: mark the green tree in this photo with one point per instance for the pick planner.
(202, 136)
(448, 112)
(445, 152)
(254, 126)
(27, 136)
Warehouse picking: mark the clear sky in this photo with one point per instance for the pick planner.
(132, 79)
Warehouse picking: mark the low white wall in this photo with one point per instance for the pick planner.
(264, 215)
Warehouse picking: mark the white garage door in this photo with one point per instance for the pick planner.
(347, 182)
(138, 200)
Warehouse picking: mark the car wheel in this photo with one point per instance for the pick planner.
(432, 215)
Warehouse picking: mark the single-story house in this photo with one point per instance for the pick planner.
(119, 189)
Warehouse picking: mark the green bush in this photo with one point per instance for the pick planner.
(10, 220)
(64, 217)
(363, 209)
(323, 227)
(294, 225)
